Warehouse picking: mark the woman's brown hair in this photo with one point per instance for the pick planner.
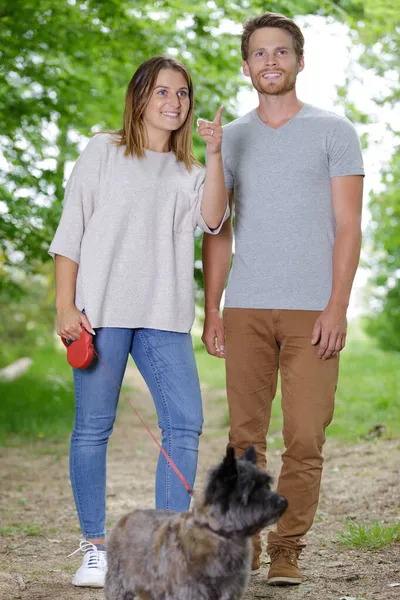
(133, 132)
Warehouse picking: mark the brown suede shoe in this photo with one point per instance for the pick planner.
(284, 569)
(257, 550)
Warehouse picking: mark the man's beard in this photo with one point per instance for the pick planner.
(287, 85)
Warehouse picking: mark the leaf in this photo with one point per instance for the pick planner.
(65, 69)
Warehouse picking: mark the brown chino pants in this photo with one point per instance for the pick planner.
(259, 342)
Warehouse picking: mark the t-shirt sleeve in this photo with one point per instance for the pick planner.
(228, 173)
(198, 220)
(79, 202)
(344, 150)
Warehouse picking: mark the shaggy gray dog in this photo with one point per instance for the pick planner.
(203, 554)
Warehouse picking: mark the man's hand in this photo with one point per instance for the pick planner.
(330, 332)
(213, 334)
(70, 320)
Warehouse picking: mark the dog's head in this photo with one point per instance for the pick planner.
(238, 495)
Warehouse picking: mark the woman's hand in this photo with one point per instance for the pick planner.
(215, 199)
(211, 132)
(70, 321)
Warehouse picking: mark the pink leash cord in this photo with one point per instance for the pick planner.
(169, 459)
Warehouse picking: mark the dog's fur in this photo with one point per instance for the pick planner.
(203, 554)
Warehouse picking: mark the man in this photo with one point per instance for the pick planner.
(294, 173)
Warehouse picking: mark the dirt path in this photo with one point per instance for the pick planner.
(40, 526)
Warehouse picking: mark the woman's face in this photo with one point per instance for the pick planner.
(169, 102)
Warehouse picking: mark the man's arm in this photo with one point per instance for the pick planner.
(330, 328)
(216, 254)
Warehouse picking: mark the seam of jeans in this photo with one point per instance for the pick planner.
(78, 394)
(168, 421)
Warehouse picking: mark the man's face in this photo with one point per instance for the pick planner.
(272, 63)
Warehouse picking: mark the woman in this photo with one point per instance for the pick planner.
(124, 271)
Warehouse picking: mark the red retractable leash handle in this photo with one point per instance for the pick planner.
(80, 354)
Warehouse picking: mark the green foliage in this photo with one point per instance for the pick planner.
(40, 404)
(379, 34)
(65, 69)
(377, 30)
(26, 325)
(384, 324)
(370, 536)
(65, 66)
(23, 529)
(368, 392)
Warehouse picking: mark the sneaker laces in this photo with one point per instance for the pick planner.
(95, 558)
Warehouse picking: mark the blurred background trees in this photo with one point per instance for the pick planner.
(65, 65)
(379, 33)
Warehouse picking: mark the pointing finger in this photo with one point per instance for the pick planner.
(218, 116)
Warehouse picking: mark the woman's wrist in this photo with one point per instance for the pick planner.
(214, 154)
(62, 306)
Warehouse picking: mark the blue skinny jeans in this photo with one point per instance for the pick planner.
(166, 361)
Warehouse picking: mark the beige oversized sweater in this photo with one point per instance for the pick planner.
(129, 223)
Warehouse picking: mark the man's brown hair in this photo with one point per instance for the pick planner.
(277, 20)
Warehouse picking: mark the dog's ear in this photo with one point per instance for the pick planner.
(250, 455)
(222, 482)
(230, 453)
(228, 467)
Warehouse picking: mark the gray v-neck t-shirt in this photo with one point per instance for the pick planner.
(284, 220)
(129, 223)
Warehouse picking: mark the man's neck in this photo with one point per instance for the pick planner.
(275, 111)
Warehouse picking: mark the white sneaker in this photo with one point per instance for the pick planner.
(92, 572)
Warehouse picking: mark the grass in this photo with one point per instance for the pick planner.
(25, 529)
(370, 536)
(212, 373)
(40, 404)
(368, 392)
